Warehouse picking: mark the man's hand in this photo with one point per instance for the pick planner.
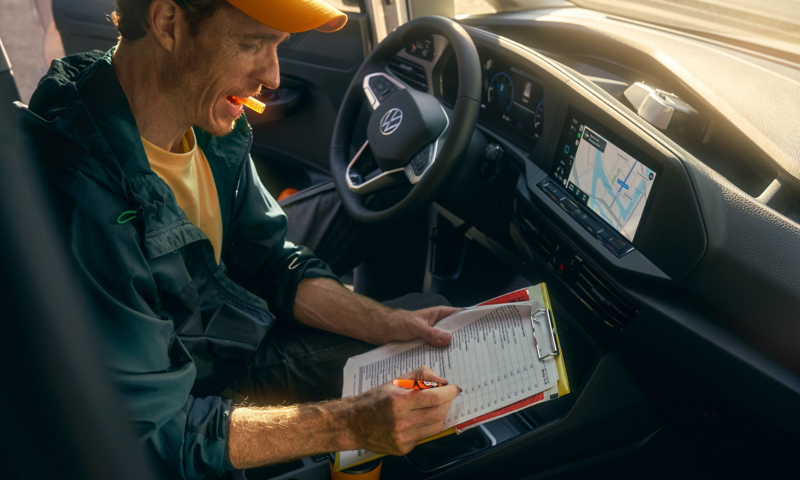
(387, 419)
(406, 325)
(325, 304)
(392, 420)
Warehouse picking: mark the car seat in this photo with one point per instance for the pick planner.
(61, 417)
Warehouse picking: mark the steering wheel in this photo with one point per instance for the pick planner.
(412, 139)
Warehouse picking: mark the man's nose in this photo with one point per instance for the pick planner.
(269, 72)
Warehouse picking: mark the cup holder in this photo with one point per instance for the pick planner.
(450, 449)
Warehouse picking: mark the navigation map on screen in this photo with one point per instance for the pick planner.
(609, 181)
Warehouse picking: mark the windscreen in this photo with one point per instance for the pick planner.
(769, 23)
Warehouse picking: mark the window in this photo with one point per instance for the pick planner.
(472, 7)
(347, 6)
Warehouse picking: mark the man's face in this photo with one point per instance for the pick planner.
(232, 54)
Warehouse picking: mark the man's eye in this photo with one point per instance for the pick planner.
(249, 47)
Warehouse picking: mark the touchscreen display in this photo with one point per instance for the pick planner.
(601, 175)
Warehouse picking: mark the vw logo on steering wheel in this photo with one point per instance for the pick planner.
(391, 120)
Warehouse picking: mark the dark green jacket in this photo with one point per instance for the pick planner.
(179, 328)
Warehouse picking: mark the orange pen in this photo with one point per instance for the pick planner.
(250, 103)
(418, 384)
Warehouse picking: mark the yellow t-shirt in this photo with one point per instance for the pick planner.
(189, 176)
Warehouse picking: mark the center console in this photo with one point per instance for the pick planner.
(605, 207)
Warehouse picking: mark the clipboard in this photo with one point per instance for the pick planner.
(547, 344)
(537, 293)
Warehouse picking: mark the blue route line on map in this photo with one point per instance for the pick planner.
(624, 183)
(600, 173)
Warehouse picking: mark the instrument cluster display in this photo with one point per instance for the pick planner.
(512, 98)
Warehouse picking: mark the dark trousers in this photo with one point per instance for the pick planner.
(386, 262)
(296, 364)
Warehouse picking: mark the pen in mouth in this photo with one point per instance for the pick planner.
(250, 103)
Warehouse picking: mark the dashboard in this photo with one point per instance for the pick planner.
(604, 198)
(600, 180)
(648, 236)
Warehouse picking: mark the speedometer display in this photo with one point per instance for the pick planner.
(512, 99)
(500, 95)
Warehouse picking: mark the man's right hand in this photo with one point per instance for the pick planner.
(391, 419)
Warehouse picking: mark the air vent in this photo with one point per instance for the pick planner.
(607, 302)
(410, 72)
(604, 300)
(539, 241)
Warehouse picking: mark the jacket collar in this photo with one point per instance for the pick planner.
(106, 101)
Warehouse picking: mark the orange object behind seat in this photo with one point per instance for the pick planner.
(286, 193)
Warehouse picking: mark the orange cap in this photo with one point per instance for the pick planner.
(293, 16)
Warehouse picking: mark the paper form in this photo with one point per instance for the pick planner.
(537, 293)
(492, 357)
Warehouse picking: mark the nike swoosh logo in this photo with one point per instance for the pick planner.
(294, 263)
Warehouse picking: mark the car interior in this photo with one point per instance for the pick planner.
(647, 172)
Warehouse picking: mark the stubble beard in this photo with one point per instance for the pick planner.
(183, 79)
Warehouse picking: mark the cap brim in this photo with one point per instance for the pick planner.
(293, 16)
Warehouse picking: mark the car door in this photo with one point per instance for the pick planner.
(292, 137)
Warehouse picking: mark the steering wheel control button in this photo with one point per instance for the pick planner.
(420, 161)
(355, 178)
(402, 125)
(379, 86)
(419, 166)
(382, 87)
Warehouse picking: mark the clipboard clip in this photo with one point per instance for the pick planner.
(544, 333)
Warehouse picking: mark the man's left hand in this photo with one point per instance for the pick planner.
(325, 304)
(407, 325)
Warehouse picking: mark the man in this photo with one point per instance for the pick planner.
(184, 254)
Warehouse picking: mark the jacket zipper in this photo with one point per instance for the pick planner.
(236, 190)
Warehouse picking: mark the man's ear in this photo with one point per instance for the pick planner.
(164, 18)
